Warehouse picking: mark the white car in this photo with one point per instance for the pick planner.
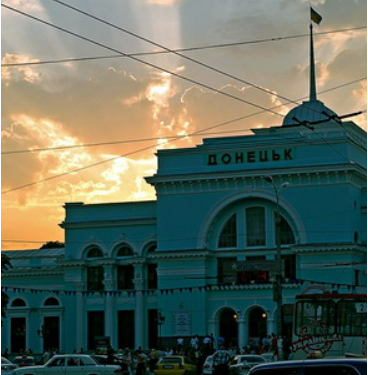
(242, 364)
(208, 366)
(70, 364)
(7, 367)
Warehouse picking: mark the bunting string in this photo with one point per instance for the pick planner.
(156, 292)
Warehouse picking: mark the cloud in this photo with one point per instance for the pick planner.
(163, 2)
(26, 73)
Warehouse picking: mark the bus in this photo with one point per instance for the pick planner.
(330, 324)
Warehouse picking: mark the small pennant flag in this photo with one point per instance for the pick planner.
(315, 17)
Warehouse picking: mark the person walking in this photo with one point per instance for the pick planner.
(221, 360)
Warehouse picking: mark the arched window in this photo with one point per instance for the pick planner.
(250, 224)
(256, 226)
(18, 302)
(94, 253)
(125, 251)
(286, 233)
(51, 302)
(151, 248)
(95, 279)
(228, 236)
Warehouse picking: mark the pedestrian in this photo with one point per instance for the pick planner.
(221, 359)
(6, 353)
(45, 356)
(220, 341)
(141, 363)
(180, 343)
(194, 342)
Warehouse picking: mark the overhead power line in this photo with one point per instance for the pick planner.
(150, 147)
(199, 133)
(195, 61)
(139, 60)
(188, 49)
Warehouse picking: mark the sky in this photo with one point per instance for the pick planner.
(87, 130)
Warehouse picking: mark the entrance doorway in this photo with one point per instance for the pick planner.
(18, 335)
(51, 332)
(228, 327)
(257, 326)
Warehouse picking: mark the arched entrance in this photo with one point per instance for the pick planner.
(257, 323)
(228, 327)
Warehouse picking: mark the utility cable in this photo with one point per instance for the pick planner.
(139, 60)
(171, 50)
(188, 49)
(131, 153)
(199, 133)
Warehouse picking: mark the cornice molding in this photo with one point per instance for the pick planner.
(107, 223)
(253, 179)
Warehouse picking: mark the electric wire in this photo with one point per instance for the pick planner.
(188, 49)
(141, 61)
(195, 134)
(89, 40)
(171, 50)
(269, 92)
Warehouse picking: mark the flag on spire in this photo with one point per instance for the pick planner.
(315, 17)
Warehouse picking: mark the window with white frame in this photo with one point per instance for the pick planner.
(250, 224)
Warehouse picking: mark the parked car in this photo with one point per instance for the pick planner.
(241, 364)
(7, 367)
(24, 360)
(176, 365)
(81, 364)
(207, 367)
(313, 367)
(116, 360)
(268, 356)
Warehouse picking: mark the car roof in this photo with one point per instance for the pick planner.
(313, 362)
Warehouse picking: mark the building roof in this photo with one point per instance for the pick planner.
(309, 112)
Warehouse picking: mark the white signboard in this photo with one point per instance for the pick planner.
(182, 323)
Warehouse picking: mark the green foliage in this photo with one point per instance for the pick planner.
(52, 245)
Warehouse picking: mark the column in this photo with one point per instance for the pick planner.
(211, 327)
(80, 318)
(110, 317)
(140, 308)
(270, 324)
(241, 333)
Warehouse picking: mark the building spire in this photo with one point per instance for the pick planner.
(312, 74)
(317, 18)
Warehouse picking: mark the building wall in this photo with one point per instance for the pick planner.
(324, 205)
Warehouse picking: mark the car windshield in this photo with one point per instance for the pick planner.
(23, 360)
(5, 361)
(251, 359)
(171, 360)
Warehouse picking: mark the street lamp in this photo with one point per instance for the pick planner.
(277, 286)
(160, 319)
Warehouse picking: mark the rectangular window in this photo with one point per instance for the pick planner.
(96, 330)
(152, 276)
(289, 264)
(126, 329)
(95, 277)
(256, 226)
(352, 318)
(125, 277)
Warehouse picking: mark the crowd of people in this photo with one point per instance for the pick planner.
(143, 362)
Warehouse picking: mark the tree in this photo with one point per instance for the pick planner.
(5, 265)
(52, 245)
